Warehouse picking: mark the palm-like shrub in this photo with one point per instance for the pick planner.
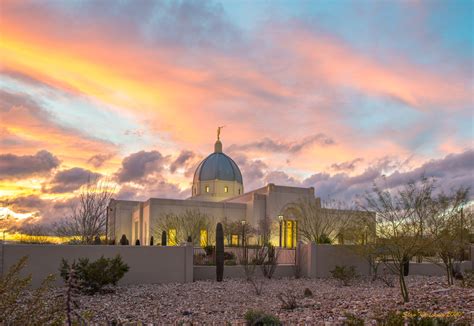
(94, 276)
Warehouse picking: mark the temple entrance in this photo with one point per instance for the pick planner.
(288, 229)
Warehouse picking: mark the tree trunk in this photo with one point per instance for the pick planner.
(403, 286)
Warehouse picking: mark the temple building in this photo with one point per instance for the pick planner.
(218, 195)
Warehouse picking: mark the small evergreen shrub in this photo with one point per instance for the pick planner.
(345, 274)
(124, 240)
(209, 250)
(137, 242)
(308, 292)
(97, 240)
(152, 240)
(20, 305)
(230, 262)
(229, 255)
(352, 320)
(260, 318)
(468, 279)
(94, 276)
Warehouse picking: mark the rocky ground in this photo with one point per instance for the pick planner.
(220, 303)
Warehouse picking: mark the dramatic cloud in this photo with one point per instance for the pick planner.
(183, 158)
(16, 166)
(346, 166)
(70, 180)
(98, 160)
(270, 145)
(304, 93)
(139, 165)
(152, 187)
(452, 171)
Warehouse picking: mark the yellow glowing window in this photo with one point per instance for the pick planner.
(289, 234)
(226, 189)
(234, 240)
(207, 189)
(172, 237)
(203, 239)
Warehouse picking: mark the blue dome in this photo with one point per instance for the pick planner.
(218, 166)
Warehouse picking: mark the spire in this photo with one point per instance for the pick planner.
(218, 144)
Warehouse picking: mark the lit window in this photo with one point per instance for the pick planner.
(234, 240)
(226, 189)
(172, 237)
(207, 189)
(203, 240)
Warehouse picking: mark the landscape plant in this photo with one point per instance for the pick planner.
(324, 224)
(123, 240)
(88, 216)
(94, 276)
(163, 238)
(260, 318)
(187, 224)
(448, 228)
(288, 300)
(398, 216)
(345, 274)
(21, 306)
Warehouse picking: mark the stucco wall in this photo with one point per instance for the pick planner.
(147, 264)
(319, 260)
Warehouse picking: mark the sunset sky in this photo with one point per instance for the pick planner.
(329, 94)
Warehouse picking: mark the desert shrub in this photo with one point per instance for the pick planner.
(308, 292)
(416, 318)
(345, 274)
(19, 306)
(392, 318)
(468, 279)
(260, 318)
(288, 301)
(352, 320)
(209, 250)
(231, 262)
(123, 240)
(229, 255)
(94, 276)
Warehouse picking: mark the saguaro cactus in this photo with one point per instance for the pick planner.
(163, 238)
(219, 252)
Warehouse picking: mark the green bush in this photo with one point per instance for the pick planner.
(229, 255)
(468, 279)
(260, 318)
(417, 318)
(94, 276)
(345, 274)
(231, 262)
(352, 320)
(21, 306)
(209, 250)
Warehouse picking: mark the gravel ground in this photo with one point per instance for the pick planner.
(209, 302)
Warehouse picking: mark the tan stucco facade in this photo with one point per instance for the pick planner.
(138, 220)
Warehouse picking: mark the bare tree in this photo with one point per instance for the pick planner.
(88, 216)
(321, 224)
(398, 223)
(187, 224)
(448, 228)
